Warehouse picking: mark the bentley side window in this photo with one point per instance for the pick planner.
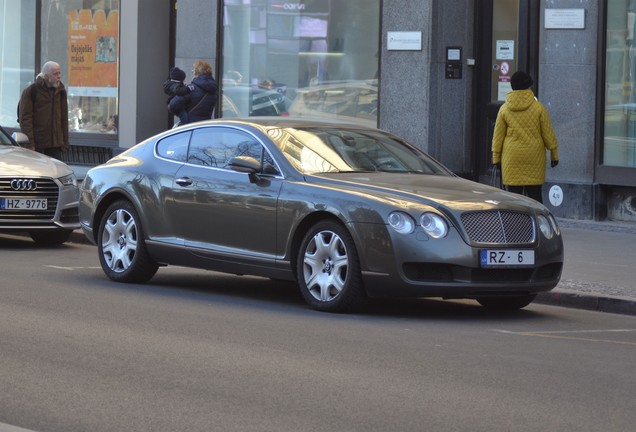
(174, 147)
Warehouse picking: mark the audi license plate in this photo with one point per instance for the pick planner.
(23, 203)
(506, 257)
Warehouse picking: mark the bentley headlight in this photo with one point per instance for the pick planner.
(434, 225)
(545, 227)
(401, 222)
(554, 224)
(68, 180)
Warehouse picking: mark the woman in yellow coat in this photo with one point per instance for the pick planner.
(523, 132)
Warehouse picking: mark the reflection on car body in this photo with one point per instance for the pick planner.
(38, 194)
(346, 211)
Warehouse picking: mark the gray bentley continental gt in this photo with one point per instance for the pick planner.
(38, 194)
(347, 212)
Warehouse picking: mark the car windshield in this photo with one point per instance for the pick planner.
(326, 150)
(4, 138)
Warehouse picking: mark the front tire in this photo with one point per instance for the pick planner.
(121, 246)
(506, 304)
(328, 269)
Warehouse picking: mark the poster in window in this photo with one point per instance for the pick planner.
(93, 52)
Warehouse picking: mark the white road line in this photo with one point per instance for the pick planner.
(68, 269)
(569, 331)
(8, 428)
(565, 335)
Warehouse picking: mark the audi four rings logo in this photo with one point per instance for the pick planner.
(23, 184)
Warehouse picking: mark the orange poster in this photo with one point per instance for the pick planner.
(93, 50)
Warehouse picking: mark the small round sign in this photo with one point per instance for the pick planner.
(556, 195)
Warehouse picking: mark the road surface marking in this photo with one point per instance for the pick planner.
(564, 335)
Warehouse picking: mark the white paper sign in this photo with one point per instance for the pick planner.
(404, 41)
(505, 50)
(565, 18)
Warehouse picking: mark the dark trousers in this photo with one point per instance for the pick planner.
(535, 191)
(54, 152)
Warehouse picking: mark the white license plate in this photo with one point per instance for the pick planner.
(23, 203)
(506, 257)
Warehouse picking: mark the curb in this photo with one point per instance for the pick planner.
(594, 302)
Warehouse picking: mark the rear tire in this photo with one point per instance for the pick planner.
(121, 247)
(506, 303)
(328, 269)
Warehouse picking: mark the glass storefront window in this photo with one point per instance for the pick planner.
(619, 144)
(17, 55)
(314, 59)
(505, 46)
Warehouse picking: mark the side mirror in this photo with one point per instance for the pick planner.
(245, 164)
(20, 138)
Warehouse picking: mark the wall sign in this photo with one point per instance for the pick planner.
(505, 50)
(565, 18)
(404, 41)
(556, 195)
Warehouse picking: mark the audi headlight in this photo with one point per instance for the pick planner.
(401, 222)
(434, 225)
(68, 180)
(545, 227)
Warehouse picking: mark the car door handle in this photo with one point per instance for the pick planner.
(184, 181)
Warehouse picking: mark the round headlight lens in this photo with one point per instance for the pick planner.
(555, 225)
(545, 227)
(401, 222)
(434, 225)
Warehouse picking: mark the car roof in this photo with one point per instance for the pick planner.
(283, 122)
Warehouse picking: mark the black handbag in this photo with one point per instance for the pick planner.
(495, 177)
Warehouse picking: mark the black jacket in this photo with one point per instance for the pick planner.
(201, 100)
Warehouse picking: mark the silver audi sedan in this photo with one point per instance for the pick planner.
(38, 194)
(348, 212)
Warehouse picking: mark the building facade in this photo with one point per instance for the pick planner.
(432, 71)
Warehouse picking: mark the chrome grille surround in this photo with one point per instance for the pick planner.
(44, 188)
(499, 227)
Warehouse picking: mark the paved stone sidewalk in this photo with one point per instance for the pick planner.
(590, 246)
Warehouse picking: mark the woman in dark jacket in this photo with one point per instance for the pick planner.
(201, 100)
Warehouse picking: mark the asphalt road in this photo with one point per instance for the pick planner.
(200, 351)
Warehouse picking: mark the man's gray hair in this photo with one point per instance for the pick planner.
(48, 66)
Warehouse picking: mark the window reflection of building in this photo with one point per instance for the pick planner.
(299, 45)
(619, 147)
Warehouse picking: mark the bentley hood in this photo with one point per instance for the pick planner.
(453, 193)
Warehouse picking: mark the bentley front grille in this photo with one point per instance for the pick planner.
(499, 227)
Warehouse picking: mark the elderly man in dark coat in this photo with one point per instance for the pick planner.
(44, 114)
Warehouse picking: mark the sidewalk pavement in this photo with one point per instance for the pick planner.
(599, 272)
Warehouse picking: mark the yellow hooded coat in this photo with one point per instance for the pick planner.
(523, 132)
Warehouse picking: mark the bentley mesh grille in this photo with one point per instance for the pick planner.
(502, 227)
(45, 188)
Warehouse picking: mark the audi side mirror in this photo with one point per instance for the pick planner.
(20, 138)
